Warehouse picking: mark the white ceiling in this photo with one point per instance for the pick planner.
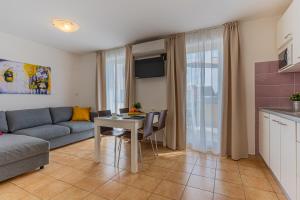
(112, 23)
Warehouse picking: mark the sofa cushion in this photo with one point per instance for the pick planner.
(21, 119)
(45, 132)
(3, 122)
(78, 126)
(61, 114)
(18, 147)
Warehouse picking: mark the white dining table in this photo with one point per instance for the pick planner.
(119, 122)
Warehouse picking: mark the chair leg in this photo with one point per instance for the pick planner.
(156, 144)
(152, 147)
(141, 155)
(120, 147)
(115, 155)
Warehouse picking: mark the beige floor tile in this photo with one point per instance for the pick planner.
(281, 197)
(250, 171)
(71, 193)
(178, 177)
(134, 194)
(232, 177)
(183, 167)
(157, 197)
(222, 197)
(206, 163)
(229, 189)
(9, 191)
(165, 163)
(110, 190)
(201, 182)
(93, 197)
(73, 177)
(126, 177)
(72, 174)
(91, 183)
(256, 182)
(146, 183)
(231, 166)
(204, 171)
(50, 190)
(169, 190)
(157, 172)
(28, 179)
(255, 194)
(196, 194)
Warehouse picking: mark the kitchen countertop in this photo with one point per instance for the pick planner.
(285, 113)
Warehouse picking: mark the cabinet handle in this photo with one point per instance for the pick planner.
(266, 117)
(283, 124)
(287, 36)
(275, 120)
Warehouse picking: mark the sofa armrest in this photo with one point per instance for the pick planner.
(93, 115)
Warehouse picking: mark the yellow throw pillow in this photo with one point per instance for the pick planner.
(81, 114)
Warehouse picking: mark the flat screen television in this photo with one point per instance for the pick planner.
(150, 67)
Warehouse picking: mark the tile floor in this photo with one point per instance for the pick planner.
(187, 175)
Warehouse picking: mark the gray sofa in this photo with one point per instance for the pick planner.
(29, 134)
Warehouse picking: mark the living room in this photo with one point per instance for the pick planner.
(104, 100)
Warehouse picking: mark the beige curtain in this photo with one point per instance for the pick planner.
(129, 79)
(101, 83)
(234, 136)
(176, 87)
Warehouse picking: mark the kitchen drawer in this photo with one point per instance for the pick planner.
(298, 170)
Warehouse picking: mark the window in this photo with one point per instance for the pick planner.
(115, 79)
(204, 53)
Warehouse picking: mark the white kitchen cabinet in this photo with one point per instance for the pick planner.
(275, 144)
(298, 170)
(296, 30)
(288, 30)
(264, 136)
(288, 155)
(285, 27)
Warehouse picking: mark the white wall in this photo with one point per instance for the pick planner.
(61, 63)
(84, 87)
(258, 43)
(152, 93)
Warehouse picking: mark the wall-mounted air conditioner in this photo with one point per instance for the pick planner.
(155, 47)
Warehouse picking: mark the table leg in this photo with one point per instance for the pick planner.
(97, 143)
(134, 150)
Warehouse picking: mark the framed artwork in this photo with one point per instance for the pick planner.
(24, 78)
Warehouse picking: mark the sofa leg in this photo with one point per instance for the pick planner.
(42, 167)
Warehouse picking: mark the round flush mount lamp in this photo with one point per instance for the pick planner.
(65, 25)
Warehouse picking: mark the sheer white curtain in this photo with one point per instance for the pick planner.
(204, 55)
(115, 79)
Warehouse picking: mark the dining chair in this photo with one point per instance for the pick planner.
(143, 134)
(124, 110)
(109, 131)
(160, 126)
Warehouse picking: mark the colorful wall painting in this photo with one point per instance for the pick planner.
(24, 78)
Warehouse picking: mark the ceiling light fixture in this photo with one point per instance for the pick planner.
(65, 25)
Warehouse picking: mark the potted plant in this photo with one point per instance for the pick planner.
(136, 107)
(296, 101)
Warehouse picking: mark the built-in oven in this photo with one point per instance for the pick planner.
(286, 56)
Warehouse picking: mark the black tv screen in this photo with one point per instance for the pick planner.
(150, 67)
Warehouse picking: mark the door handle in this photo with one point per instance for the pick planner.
(287, 36)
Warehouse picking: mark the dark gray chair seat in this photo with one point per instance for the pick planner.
(18, 147)
(78, 126)
(45, 132)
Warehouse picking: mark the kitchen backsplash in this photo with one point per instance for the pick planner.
(272, 89)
